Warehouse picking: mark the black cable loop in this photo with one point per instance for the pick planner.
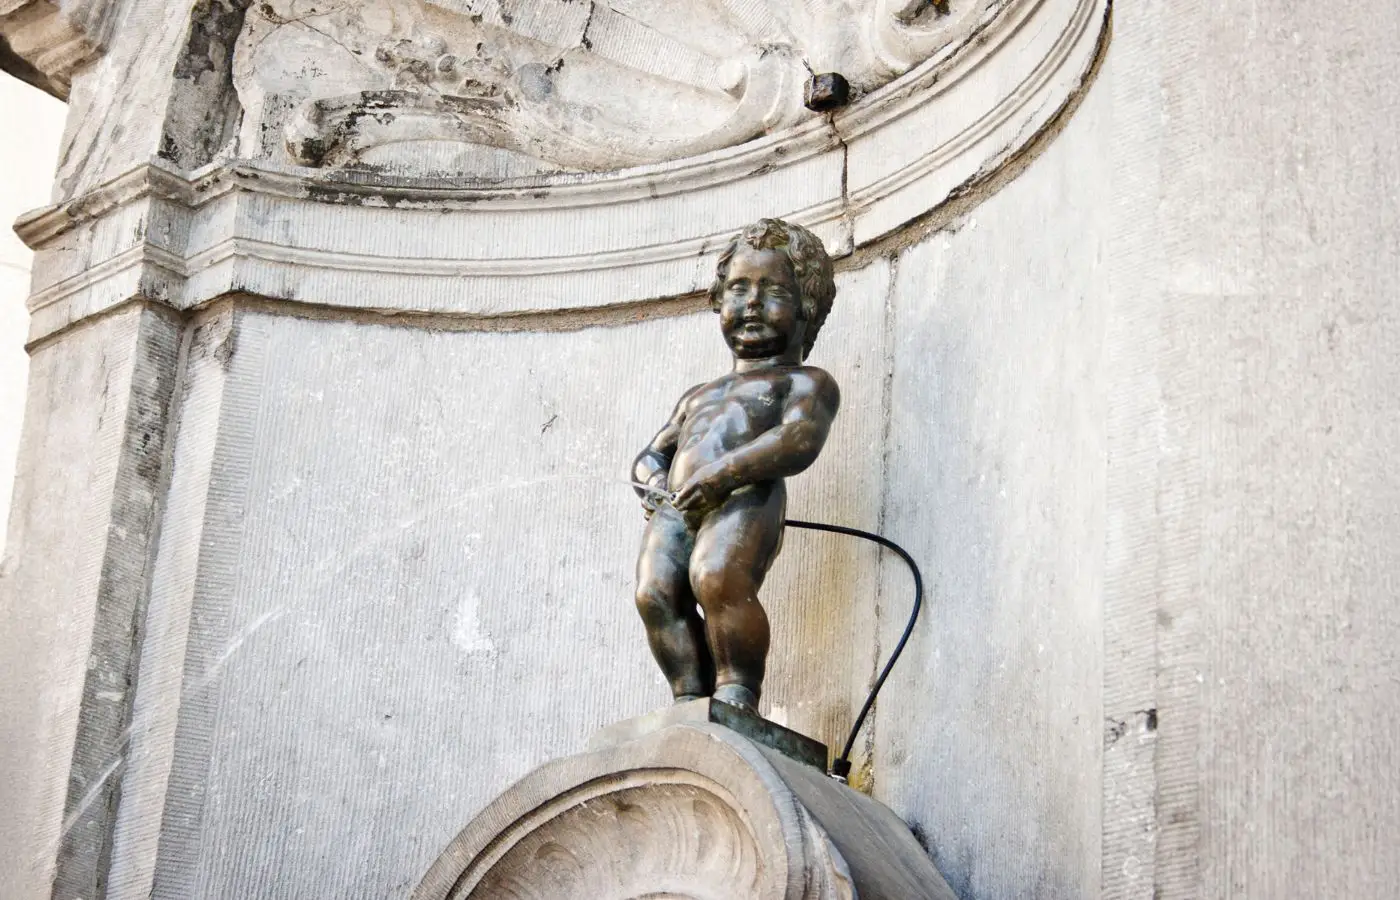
(841, 767)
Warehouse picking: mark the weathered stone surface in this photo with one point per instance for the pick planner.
(46, 42)
(86, 507)
(997, 443)
(695, 811)
(1256, 389)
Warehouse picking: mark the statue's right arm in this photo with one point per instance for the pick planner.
(652, 467)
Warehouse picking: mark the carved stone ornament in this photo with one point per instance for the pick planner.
(562, 85)
(488, 159)
(692, 811)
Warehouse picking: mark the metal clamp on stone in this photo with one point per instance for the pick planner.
(826, 92)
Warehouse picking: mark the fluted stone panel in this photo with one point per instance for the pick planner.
(72, 599)
(996, 484)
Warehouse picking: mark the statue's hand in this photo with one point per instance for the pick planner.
(653, 496)
(704, 490)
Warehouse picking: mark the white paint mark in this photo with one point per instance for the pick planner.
(92, 793)
(778, 714)
(290, 488)
(72, 818)
(233, 646)
(467, 632)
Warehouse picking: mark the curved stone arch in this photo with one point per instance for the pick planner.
(573, 243)
(694, 812)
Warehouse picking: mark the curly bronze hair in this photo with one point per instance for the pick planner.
(811, 268)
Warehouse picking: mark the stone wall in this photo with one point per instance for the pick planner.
(398, 569)
(989, 736)
(1253, 397)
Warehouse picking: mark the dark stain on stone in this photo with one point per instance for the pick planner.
(216, 339)
(1113, 732)
(204, 111)
(917, 829)
(214, 27)
(101, 743)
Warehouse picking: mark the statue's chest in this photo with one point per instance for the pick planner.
(760, 400)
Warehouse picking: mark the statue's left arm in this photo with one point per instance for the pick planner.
(780, 452)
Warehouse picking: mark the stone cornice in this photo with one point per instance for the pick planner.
(563, 242)
(50, 40)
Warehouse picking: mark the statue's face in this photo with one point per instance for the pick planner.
(760, 307)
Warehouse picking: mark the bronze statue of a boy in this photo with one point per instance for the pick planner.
(714, 474)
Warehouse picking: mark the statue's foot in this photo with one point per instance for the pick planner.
(737, 695)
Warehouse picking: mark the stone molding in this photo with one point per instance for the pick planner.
(52, 39)
(393, 244)
(693, 810)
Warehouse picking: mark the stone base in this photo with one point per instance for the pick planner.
(751, 725)
(686, 809)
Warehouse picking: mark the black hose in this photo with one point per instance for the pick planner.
(841, 767)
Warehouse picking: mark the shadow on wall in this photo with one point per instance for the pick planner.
(987, 742)
(947, 662)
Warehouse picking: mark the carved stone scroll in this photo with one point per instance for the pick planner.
(581, 87)
(347, 84)
(904, 33)
(691, 811)
(521, 111)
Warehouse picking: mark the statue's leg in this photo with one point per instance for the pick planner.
(674, 628)
(733, 550)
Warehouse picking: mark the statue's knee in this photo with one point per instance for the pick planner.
(713, 585)
(654, 605)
